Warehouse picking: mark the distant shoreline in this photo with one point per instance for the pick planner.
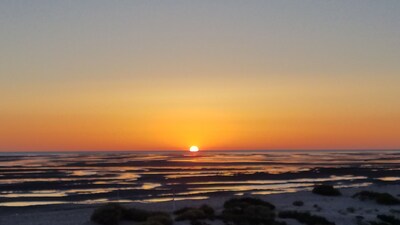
(186, 151)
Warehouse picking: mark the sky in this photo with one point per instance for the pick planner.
(222, 75)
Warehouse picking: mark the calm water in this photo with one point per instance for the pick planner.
(28, 179)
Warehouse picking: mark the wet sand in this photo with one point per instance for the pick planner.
(334, 209)
(87, 178)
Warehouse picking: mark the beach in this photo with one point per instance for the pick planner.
(342, 210)
(38, 179)
(65, 188)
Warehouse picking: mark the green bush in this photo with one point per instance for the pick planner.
(109, 214)
(327, 190)
(305, 217)
(380, 198)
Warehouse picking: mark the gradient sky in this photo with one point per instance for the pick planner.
(158, 75)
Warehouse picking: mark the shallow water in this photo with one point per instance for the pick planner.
(84, 178)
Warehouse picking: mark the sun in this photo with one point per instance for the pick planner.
(194, 149)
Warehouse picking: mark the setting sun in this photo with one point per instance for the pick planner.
(194, 149)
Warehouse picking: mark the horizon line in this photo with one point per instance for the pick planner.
(184, 150)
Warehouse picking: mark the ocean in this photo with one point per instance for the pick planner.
(33, 179)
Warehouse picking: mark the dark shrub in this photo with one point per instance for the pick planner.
(134, 214)
(359, 217)
(279, 223)
(109, 214)
(249, 211)
(380, 198)
(395, 211)
(244, 202)
(387, 199)
(305, 217)
(191, 214)
(208, 210)
(327, 190)
(351, 209)
(197, 222)
(254, 214)
(158, 213)
(161, 218)
(151, 223)
(298, 203)
(259, 213)
(184, 209)
(378, 223)
(389, 219)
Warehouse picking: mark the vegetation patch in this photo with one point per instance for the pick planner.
(112, 214)
(244, 202)
(378, 223)
(389, 219)
(208, 210)
(198, 222)
(193, 214)
(134, 214)
(326, 190)
(350, 209)
(109, 214)
(249, 211)
(380, 198)
(159, 218)
(305, 218)
(298, 203)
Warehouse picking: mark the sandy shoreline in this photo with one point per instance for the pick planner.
(94, 178)
(333, 208)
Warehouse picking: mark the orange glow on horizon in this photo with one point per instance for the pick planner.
(194, 149)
